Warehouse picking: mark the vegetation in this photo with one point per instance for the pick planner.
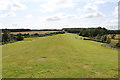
(25, 30)
(19, 37)
(113, 31)
(108, 40)
(96, 34)
(8, 38)
(118, 44)
(60, 56)
(92, 32)
(72, 30)
(113, 36)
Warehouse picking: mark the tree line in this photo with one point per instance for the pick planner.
(25, 30)
(77, 30)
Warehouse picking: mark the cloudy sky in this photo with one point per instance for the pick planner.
(50, 14)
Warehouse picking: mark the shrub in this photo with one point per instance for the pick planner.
(118, 44)
(98, 38)
(108, 40)
(20, 38)
(103, 38)
(36, 34)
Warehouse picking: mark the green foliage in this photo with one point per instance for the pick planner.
(72, 30)
(118, 44)
(20, 38)
(36, 34)
(108, 40)
(92, 32)
(6, 36)
(113, 31)
(103, 38)
(98, 38)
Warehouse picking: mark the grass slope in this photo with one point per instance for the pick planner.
(59, 56)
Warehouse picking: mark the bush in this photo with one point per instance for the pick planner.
(103, 39)
(108, 40)
(118, 44)
(98, 38)
(20, 38)
(36, 34)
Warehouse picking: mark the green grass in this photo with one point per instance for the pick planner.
(83, 37)
(59, 56)
(113, 44)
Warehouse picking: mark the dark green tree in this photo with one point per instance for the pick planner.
(6, 36)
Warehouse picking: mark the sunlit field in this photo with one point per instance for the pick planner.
(59, 56)
(32, 32)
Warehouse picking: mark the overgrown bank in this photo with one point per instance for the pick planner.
(97, 34)
(7, 37)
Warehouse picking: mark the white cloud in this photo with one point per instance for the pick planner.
(73, 0)
(56, 4)
(29, 16)
(17, 6)
(13, 5)
(4, 5)
(94, 15)
(79, 9)
(90, 6)
(54, 18)
(114, 21)
(116, 10)
(100, 2)
(10, 14)
(60, 16)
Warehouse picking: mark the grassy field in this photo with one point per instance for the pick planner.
(59, 56)
(32, 32)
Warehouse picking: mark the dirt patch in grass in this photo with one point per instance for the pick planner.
(86, 66)
(42, 59)
(97, 73)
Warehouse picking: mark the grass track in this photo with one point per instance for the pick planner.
(59, 56)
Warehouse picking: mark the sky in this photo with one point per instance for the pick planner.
(58, 14)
